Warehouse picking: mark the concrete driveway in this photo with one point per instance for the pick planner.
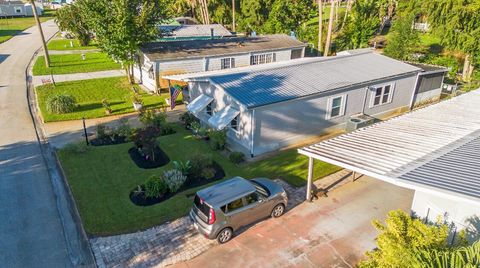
(32, 231)
(331, 232)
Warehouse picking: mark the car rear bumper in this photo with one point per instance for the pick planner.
(204, 229)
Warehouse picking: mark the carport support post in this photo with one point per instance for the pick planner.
(309, 179)
(354, 176)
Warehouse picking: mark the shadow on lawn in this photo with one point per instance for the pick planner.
(94, 106)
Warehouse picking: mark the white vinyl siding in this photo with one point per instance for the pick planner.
(336, 106)
(381, 94)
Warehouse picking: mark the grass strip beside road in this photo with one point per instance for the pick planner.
(73, 63)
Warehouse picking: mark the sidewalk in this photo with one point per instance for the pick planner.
(37, 80)
(178, 241)
(62, 133)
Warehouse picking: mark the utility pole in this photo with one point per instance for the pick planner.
(320, 26)
(330, 26)
(45, 50)
(233, 16)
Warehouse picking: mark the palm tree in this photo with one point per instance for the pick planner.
(320, 26)
(330, 26)
(233, 16)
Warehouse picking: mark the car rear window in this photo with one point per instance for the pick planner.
(202, 207)
(261, 189)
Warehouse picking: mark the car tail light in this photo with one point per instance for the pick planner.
(211, 216)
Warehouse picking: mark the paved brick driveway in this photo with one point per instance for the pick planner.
(331, 232)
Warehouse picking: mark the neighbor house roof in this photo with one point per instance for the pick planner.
(6, 2)
(216, 47)
(435, 149)
(195, 30)
(266, 84)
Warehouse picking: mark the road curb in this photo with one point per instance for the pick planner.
(78, 246)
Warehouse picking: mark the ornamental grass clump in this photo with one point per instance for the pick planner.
(61, 104)
(174, 179)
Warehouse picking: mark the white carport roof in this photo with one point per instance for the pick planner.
(435, 149)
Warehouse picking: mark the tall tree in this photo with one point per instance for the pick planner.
(330, 28)
(360, 26)
(458, 21)
(320, 26)
(254, 14)
(70, 18)
(404, 38)
(289, 15)
(42, 37)
(234, 28)
(121, 26)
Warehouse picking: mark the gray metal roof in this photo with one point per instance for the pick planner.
(302, 78)
(195, 30)
(216, 47)
(219, 194)
(435, 149)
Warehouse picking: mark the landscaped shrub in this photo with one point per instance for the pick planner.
(236, 157)
(146, 140)
(101, 131)
(218, 139)
(61, 104)
(167, 128)
(153, 119)
(198, 163)
(125, 130)
(183, 167)
(155, 187)
(174, 179)
(208, 173)
(188, 118)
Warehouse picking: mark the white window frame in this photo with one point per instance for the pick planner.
(238, 124)
(343, 106)
(373, 91)
(257, 59)
(224, 61)
(211, 107)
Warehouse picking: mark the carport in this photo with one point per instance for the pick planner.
(434, 151)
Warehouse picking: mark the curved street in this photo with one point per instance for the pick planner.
(33, 227)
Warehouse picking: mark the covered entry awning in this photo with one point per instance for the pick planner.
(435, 149)
(223, 117)
(199, 103)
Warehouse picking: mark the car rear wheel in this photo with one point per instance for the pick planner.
(225, 235)
(278, 211)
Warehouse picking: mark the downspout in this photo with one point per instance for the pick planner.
(365, 100)
(252, 133)
(412, 100)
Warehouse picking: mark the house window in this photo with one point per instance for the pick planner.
(382, 95)
(209, 109)
(18, 10)
(228, 63)
(234, 123)
(296, 54)
(263, 58)
(336, 106)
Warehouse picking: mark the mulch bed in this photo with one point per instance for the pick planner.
(108, 141)
(141, 200)
(161, 158)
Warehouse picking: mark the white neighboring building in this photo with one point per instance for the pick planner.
(18, 9)
(434, 151)
(177, 57)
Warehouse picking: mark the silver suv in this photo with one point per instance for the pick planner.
(221, 209)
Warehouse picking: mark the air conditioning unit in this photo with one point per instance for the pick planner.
(358, 121)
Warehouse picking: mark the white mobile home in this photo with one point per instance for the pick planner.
(266, 108)
(18, 9)
(434, 151)
(176, 57)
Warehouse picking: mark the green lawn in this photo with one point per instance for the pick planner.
(101, 179)
(73, 63)
(89, 95)
(66, 44)
(12, 26)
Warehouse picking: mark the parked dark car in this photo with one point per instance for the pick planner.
(218, 211)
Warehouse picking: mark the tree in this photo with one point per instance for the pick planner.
(360, 26)
(330, 27)
(121, 26)
(42, 37)
(461, 257)
(254, 14)
(402, 238)
(404, 39)
(458, 22)
(289, 15)
(320, 25)
(71, 18)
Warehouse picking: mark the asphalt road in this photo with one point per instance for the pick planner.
(31, 229)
